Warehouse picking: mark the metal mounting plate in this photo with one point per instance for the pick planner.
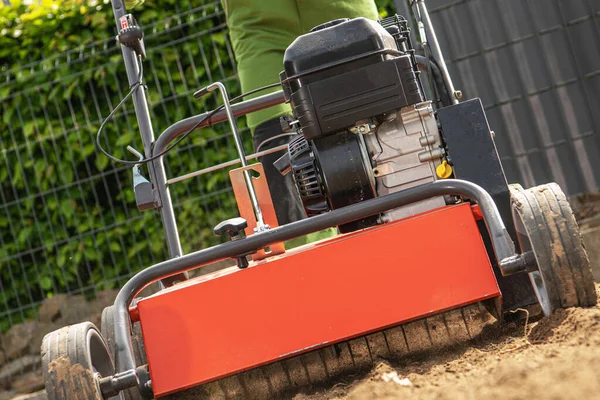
(265, 202)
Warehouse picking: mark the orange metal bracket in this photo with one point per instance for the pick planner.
(264, 200)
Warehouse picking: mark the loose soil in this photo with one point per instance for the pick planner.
(552, 358)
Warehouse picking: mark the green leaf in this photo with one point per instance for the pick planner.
(46, 283)
(89, 149)
(24, 235)
(8, 113)
(115, 246)
(66, 208)
(125, 138)
(91, 253)
(101, 162)
(29, 128)
(4, 92)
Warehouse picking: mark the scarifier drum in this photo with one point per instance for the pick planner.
(433, 244)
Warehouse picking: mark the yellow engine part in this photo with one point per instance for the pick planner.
(444, 170)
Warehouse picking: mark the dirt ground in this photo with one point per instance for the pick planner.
(551, 358)
(554, 358)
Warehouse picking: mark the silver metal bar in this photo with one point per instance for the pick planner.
(156, 169)
(226, 164)
(260, 222)
(437, 51)
(202, 120)
(136, 153)
(140, 156)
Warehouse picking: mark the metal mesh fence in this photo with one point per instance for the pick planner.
(61, 201)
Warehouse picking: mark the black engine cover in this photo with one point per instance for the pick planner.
(347, 71)
(332, 172)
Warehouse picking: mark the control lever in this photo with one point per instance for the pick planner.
(232, 227)
(144, 194)
(131, 35)
(260, 222)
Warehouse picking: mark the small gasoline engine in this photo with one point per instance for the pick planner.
(365, 127)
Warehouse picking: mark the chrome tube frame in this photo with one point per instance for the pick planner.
(436, 50)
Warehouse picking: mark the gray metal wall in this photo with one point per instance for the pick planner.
(536, 66)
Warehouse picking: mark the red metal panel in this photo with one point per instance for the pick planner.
(315, 295)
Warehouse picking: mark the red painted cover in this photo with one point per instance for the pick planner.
(319, 294)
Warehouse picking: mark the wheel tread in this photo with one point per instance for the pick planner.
(525, 202)
(559, 250)
(581, 268)
(65, 366)
(573, 258)
(556, 240)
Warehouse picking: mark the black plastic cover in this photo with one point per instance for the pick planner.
(338, 102)
(475, 159)
(326, 184)
(335, 44)
(344, 72)
(307, 176)
(346, 173)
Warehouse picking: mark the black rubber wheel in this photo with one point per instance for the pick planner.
(73, 359)
(546, 225)
(108, 331)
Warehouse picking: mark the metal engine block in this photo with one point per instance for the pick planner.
(404, 152)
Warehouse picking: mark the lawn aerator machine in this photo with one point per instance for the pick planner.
(433, 243)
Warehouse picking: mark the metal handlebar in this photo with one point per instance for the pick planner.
(260, 223)
(436, 50)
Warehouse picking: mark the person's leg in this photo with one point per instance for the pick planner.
(260, 31)
(316, 12)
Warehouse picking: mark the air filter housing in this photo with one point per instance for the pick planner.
(345, 71)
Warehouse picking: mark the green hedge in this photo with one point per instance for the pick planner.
(68, 220)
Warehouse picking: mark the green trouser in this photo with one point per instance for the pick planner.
(261, 30)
